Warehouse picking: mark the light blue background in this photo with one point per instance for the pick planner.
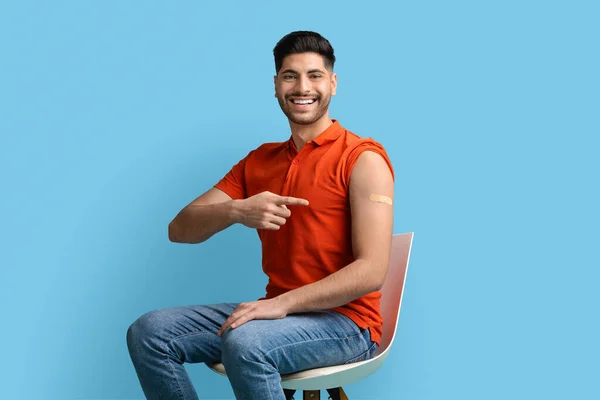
(114, 115)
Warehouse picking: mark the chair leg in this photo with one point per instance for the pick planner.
(289, 394)
(334, 394)
(337, 394)
(311, 395)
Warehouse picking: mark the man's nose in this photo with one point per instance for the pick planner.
(303, 84)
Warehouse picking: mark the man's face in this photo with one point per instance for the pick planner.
(304, 87)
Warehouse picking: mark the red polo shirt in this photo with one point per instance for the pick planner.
(316, 240)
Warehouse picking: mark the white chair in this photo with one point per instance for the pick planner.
(333, 378)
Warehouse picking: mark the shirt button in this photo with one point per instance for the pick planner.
(295, 162)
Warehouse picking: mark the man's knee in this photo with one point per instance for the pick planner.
(244, 343)
(146, 328)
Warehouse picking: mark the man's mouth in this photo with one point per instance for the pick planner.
(303, 101)
(303, 104)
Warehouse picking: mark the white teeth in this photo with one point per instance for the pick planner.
(295, 101)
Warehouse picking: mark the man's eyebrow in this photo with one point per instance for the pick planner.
(291, 71)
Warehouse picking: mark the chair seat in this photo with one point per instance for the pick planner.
(326, 377)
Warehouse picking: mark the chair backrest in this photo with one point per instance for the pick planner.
(391, 293)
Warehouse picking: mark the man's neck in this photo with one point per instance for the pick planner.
(302, 134)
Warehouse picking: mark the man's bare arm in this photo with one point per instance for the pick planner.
(215, 210)
(372, 225)
(208, 214)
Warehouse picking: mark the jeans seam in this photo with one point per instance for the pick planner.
(361, 330)
(305, 341)
(169, 361)
(368, 352)
(353, 336)
(186, 334)
(265, 380)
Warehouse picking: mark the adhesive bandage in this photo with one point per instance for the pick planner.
(380, 199)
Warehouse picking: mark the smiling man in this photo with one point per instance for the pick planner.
(321, 203)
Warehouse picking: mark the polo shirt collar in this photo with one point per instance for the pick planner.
(331, 133)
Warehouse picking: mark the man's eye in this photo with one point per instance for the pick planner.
(289, 77)
(317, 76)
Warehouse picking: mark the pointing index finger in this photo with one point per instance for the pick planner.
(292, 201)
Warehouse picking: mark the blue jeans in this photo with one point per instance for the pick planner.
(254, 354)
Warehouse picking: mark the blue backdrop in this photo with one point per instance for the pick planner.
(114, 115)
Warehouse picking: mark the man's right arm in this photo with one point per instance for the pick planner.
(215, 210)
(208, 214)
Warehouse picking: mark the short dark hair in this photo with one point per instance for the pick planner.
(303, 42)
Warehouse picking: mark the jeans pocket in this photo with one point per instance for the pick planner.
(364, 356)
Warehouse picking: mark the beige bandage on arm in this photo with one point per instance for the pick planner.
(380, 198)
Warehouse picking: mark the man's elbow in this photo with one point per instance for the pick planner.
(178, 235)
(380, 276)
(173, 234)
(376, 275)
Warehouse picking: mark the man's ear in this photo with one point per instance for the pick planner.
(333, 84)
(275, 84)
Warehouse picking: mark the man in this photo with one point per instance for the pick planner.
(322, 206)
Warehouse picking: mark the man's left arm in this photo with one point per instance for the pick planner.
(371, 198)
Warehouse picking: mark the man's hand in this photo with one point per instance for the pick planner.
(266, 210)
(261, 309)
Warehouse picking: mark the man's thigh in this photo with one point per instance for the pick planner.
(301, 341)
(190, 332)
